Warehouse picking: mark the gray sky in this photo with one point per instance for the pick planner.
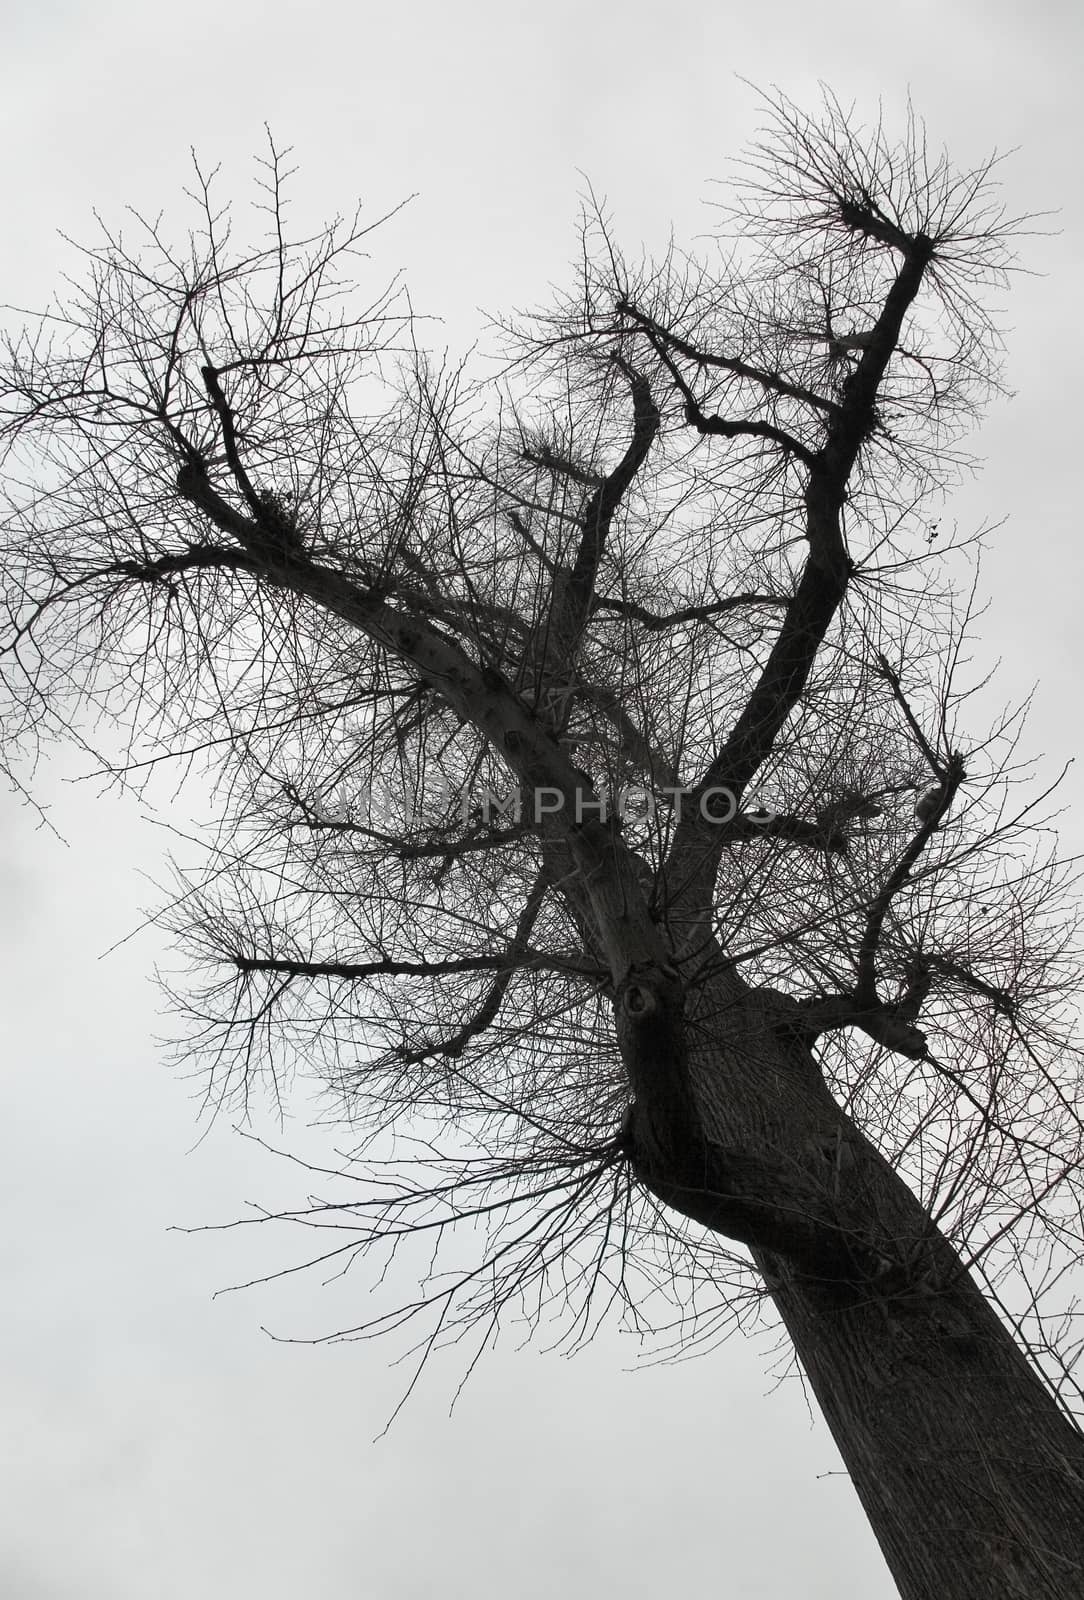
(155, 1442)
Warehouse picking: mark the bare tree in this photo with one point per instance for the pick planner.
(597, 812)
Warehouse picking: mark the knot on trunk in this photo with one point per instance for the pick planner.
(649, 1014)
(647, 992)
(639, 1001)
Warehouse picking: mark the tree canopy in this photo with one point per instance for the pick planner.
(617, 672)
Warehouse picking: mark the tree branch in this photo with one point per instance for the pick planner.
(820, 590)
(483, 697)
(885, 1024)
(491, 1005)
(575, 604)
(359, 971)
(741, 369)
(866, 985)
(937, 766)
(727, 429)
(209, 375)
(671, 619)
(549, 459)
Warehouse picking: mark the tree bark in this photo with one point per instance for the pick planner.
(969, 1471)
(971, 1475)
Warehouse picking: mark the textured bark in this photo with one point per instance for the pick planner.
(970, 1473)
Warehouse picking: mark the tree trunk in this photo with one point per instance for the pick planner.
(970, 1473)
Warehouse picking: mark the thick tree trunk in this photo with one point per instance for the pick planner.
(970, 1473)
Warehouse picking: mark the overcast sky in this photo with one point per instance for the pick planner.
(155, 1442)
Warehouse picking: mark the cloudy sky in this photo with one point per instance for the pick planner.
(155, 1441)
